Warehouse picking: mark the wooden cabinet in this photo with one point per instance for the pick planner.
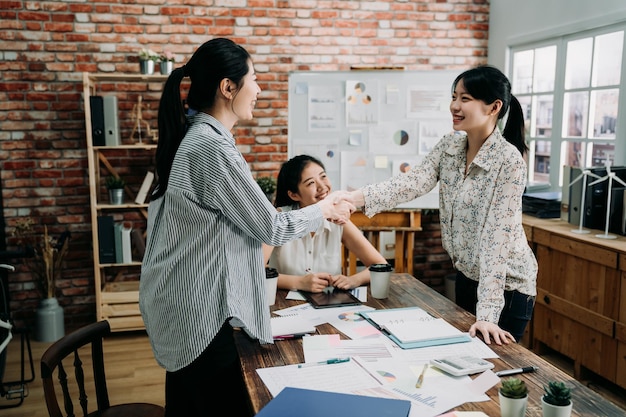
(131, 157)
(581, 297)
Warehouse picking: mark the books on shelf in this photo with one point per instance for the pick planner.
(145, 188)
(106, 240)
(413, 327)
(123, 249)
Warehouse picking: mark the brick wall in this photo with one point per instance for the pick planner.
(46, 45)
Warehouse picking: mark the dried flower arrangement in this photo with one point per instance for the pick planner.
(48, 254)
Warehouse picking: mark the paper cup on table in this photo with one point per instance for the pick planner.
(380, 276)
(271, 283)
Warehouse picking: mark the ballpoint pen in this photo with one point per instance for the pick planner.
(523, 370)
(326, 362)
(420, 379)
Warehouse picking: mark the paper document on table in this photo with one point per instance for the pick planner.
(344, 377)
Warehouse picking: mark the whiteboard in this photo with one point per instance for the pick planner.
(366, 126)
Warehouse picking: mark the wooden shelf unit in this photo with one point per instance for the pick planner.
(581, 297)
(117, 284)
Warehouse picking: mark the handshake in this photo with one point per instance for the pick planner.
(339, 205)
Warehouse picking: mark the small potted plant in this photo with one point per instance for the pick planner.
(147, 58)
(556, 400)
(268, 186)
(513, 396)
(115, 185)
(166, 62)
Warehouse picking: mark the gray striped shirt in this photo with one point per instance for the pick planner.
(203, 262)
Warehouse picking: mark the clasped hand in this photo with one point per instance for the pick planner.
(337, 207)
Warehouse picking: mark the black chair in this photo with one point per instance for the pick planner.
(68, 348)
(13, 391)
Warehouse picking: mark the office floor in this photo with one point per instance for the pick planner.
(133, 375)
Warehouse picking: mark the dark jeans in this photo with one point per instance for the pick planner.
(518, 307)
(211, 383)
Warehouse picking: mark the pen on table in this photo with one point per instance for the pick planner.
(326, 362)
(420, 379)
(523, 370)
(290, 336)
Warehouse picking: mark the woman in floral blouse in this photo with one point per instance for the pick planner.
(482, 177)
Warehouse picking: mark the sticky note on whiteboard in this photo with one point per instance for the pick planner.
(380, 162)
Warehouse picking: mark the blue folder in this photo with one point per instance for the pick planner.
(300, 402)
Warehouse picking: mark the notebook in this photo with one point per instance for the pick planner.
(413, 327)
(300, 402)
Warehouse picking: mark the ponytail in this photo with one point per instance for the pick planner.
(171, 119)
(514, 131)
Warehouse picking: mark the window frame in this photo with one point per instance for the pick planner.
(556, 138)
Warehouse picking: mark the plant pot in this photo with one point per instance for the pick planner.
(50, 321)
(146, 66)
(550, 410)
(166, 67)
(116, 196)
(513, 407)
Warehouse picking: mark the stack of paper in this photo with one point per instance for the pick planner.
(290, 326)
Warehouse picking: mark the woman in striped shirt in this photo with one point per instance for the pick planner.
(202, 273)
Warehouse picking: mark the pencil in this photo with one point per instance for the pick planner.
(420, 379)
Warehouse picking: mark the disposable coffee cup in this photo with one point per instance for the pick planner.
(271, 283)
(380, 276)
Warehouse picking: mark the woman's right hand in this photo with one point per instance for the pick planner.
(315, 281)
(337, 207)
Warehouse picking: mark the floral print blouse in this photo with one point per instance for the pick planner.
(480, 214)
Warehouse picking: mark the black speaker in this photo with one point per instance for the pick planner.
(594, 207)
(97, 120)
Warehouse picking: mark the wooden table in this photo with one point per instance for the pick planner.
(407, 291)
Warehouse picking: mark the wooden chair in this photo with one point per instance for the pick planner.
(68, 348)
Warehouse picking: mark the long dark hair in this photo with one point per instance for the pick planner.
(289, 178)
(212, 62)
(488, 84)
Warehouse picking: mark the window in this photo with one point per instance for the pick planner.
(569, 89)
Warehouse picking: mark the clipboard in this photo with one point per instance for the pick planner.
(335, 298)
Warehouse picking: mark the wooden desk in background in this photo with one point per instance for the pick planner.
(407, 291)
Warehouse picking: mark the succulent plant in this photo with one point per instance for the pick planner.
(557, 393)
(513, 388)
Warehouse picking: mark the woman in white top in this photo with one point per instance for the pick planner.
(313, 262)
(482, 176)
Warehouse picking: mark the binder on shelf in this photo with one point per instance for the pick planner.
(123, 249)
(312, 403)
(97, 120)
(106, 240)
(145, 188)
(413, 327)
(111, 123)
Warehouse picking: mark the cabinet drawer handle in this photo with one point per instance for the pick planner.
(546, 299)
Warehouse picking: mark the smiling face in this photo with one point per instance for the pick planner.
(314, 185)
(471, 115)
(245, 99)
